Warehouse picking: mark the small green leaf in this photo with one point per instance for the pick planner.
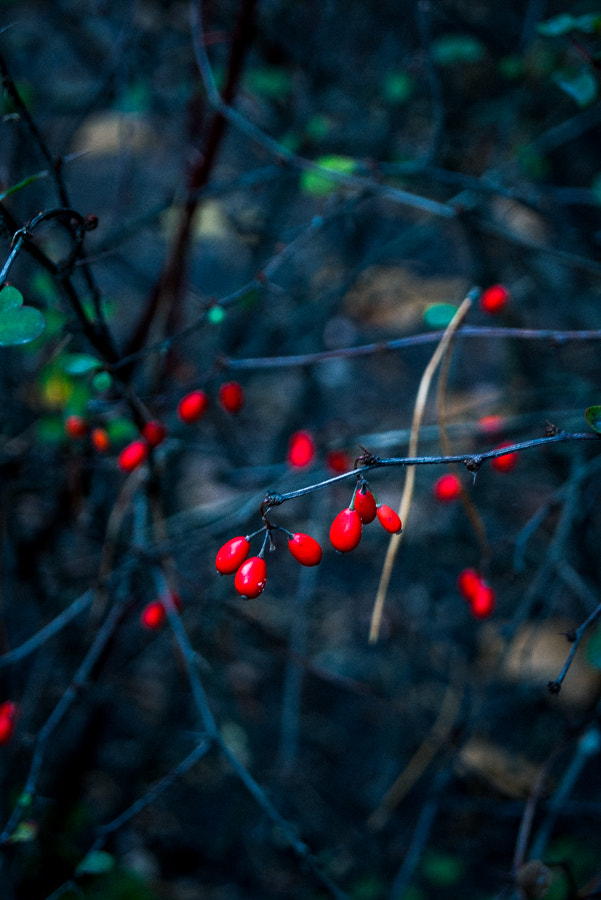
(593, 417)
(10, 297)
(398, 87)
(216, 315)
(580, 85)
(102, 382)
(556, 26)
(97, 862)
(121, 431)
(454, 49)
(25, 183)
(438, 315)
(320, 183)
(79, 363)
(269, 81)
(443, 870)
(20, 325)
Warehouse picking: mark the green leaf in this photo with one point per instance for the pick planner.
(10, 297)
(20, 325)
(320, 184)
(561, 24)
(580, 85)
(216, 315)
(79, 363)
(21, 184)
(443, 870)
(269, 81)
(97, 862)
(438, 315)
(398, 87)
(102, 382)
(593, 417)
(454, 49)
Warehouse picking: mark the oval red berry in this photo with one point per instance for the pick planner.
(100, 440)
(8, 720)
(76, 427)
(231, 397)
(153, 615)
(231, 556)
(506, 462)
(447, 488)
(482, 603)
(389, 520)
(301, 449)
(251, 577)
(193, 406)
(346, 530)
(365, 504)
(468, 582)
(494, 299)
(133, 455)
(154, 432)
(305, 549)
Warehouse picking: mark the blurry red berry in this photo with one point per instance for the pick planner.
(346, 530)
(231, 397)
(154, 433)
(389, 520)
(133, 455)
(301, 449)
(251, 577)
(447, 488)
(193, 406)
(506, 462)
(100, 440)
(338, 461)
(305, 549)
(468, 582)
(153, 615)
(365, 504)
(231, 556)
(76, 427)
(8, 720)
(492, 424)
(482, 602)
(494, 299)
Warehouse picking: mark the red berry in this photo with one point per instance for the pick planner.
(133, 455)
(468, 583)
(231, 397)
(447, 488)
(153, 615)
(154, 433)
(76, 427)
(338, 461)
(346, 530)
(8, 720)
(494, 299)
(305, 549)
(100, 440)
(193, 406)
(492, 424)
(231, 556)
(365, 504)
(506, 462)
(389, 520)
(301, 449)
(482, 603)
(251, 577)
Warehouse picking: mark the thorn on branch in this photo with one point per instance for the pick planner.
(473, 464)
(554, 687)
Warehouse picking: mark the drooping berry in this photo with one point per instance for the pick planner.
(231, 397)
(301, 449)
(506, 462)
(231, 556)
(494, 299)
(133, 455)
(8, 720)
(251, 577)
(305, 549)
(154, 433)
(468, 582)
(76, 427)
(100, 440)
(447, 488)
(346, 530)
(389, 520)
(482, 603)
(365, 504)
(193, 406)
(153, 615)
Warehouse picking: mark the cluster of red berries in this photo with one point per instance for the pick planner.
(251, 572)
(347, 527)
(136, 452)
(478, 594)
(194, 405)
(8, 720)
